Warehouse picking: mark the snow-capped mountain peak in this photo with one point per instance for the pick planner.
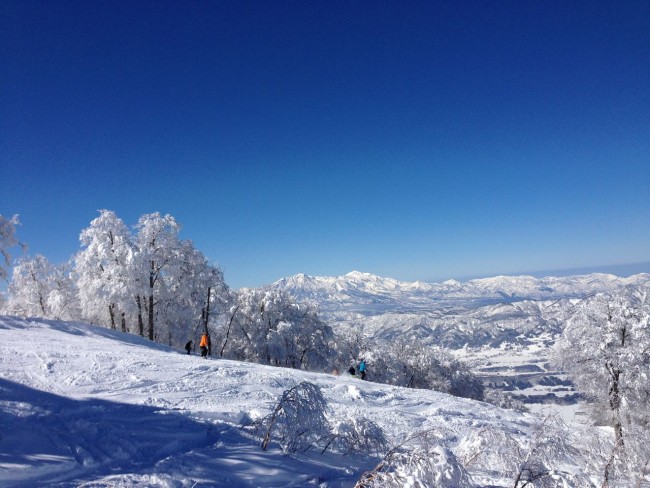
(359, 288)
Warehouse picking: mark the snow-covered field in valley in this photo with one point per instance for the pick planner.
(86, 406)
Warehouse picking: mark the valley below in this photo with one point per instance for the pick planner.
(504, 328)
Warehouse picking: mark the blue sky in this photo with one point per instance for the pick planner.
(417, 140)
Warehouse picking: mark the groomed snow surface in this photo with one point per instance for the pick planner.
(86, 406)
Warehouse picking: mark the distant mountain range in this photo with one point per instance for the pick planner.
(371, 294)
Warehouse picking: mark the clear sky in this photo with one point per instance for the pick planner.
(417, 140)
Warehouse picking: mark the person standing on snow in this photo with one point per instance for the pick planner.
(188, 346)
(205, 339)
(362, 369)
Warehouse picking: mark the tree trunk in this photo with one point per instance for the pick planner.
(124, 322)
(302, 357)
(207, 319)
(150, 317)
(206, 315)
(41, 302)
(607, 468)
(232, 317)
(111, 312)
(140, 321)
(615, 403)
(152, 282)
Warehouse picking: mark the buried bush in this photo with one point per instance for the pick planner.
(357, 435)
(421, 460)
(298, 422)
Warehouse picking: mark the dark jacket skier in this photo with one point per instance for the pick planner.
(188, 346)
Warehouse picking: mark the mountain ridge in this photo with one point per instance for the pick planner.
(360, 288)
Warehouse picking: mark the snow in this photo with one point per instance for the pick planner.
(86, 406)
(358, 288)
(504, 328)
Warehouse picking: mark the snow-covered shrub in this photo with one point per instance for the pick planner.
(297, 420)
(420, 462)
(501, 400)
(491, 449)
(358, 435)
(535, 460)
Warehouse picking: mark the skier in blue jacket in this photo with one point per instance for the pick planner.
(362, 369)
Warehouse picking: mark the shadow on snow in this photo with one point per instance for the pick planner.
(47, 438)
(51, 440)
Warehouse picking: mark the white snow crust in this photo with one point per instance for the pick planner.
(86, 406)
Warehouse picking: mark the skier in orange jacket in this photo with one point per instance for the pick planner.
(205, 340)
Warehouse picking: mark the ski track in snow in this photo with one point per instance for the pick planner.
(85, 406)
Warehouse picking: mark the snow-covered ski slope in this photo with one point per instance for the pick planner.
(85, 406)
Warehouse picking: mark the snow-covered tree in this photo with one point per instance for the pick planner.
(103, 269)
(606, 351)
(30, 288)
(270, 327)
(413, 365)
(158, 248)
(303, 339)
(63, 298)
(151, 277)
(196, 291)
(350, 344)
(7, 241)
